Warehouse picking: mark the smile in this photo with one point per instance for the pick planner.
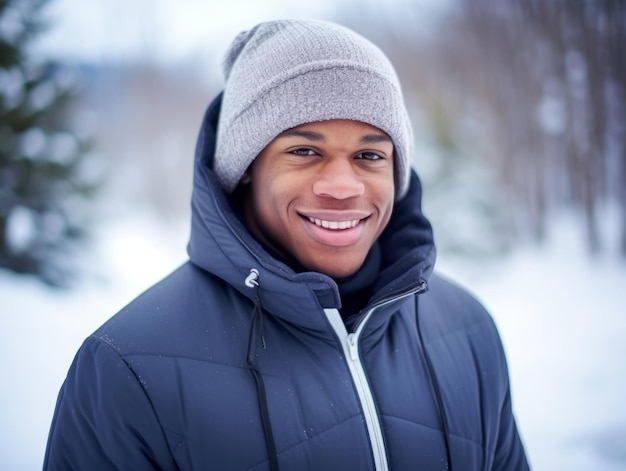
(334, 225)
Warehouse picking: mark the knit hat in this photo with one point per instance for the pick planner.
(285, 73)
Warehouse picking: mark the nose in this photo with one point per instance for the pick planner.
(338, 180)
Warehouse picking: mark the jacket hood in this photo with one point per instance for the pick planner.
(221, 244)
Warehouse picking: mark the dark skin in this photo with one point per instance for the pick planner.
(320, 194)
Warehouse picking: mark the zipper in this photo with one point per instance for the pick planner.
(350, 345)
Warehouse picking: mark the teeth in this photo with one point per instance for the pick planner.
(335, 225)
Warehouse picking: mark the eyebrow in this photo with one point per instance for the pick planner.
(374, 138)
(314, 136)
(310, 135)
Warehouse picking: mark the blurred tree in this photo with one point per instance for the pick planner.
(43, 165)
(551, 75)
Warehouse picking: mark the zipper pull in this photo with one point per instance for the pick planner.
(353, 345)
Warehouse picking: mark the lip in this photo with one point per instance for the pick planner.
(335, 228)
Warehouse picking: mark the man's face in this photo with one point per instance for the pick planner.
(321, 193)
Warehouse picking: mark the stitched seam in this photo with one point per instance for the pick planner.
(435, 428)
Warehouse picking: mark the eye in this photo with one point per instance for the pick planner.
(369, 156)
(303, 151)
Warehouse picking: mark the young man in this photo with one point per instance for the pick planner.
(307, 331)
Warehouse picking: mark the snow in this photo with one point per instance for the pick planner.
(559, 310)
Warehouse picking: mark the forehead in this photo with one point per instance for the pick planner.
(321, 130)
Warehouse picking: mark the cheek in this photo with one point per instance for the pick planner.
(385, 198)
(384, 191)
(271, 199)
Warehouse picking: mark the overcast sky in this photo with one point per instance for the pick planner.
(163, 30)
(160, 29)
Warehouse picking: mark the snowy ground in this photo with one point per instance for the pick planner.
(560, 313)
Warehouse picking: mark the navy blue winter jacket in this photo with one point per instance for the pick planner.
(236, 362)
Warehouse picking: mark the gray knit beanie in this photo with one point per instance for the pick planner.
(285, 73)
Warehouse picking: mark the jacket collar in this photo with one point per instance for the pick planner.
(221, 244)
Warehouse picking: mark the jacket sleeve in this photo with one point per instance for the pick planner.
(509, 454)
(103, 418)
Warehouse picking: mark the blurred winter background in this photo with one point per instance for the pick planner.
(519, 109)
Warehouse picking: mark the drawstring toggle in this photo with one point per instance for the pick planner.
(252, 278)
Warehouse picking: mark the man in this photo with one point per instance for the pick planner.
(306, 332)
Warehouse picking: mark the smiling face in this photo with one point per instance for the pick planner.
(321, 193)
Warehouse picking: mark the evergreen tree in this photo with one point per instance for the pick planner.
(43, 192)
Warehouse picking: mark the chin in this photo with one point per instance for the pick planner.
(336, 270)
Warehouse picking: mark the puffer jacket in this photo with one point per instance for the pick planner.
(236, 362)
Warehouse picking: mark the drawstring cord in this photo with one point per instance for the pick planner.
(256, 332)
(437, 393)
